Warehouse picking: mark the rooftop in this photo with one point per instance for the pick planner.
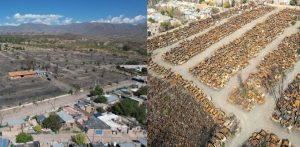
(57, 145)
(4, 142)
(126, 145)
(111, 98)
(40, 118)
(94, 123)
(20, 73)
(15, 122)
(110, 120)
(65, 116)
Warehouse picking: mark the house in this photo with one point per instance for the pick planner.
(143, 142)
(85, 106)
(40, 119)
(57, 145)
(112, 99)
(4, 142)
(28, 144)
(71, 111)
(126, 144)
(66, 118)
(95, 127)
(122, 92)
(97, 114)
(98, 145)
(21, 74)
(144, 97)
(114, 122)
(17, 123)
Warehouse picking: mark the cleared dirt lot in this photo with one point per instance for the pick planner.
(68, 70)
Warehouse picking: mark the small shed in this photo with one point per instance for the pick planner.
(40, 118)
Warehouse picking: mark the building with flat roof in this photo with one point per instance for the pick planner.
(114, 122)
(21, 74)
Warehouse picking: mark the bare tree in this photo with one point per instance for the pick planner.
(52, 104)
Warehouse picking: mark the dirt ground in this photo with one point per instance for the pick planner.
(68, 70)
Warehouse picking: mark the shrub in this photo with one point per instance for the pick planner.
(142, 91)
(166, 26)
(79, 139)
(226, 5)
(215, 10)
(293, 2)
(100, 109)
(100, 99)
(151, 20)
(37, 128)
(23, 138)
(96, 91)
(52, 122)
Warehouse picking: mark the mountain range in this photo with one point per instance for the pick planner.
(86, 29)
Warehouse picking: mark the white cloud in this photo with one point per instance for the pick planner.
(122, 19)
(55, 19)
(48, 19)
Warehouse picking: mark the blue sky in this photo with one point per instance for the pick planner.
(60, 12)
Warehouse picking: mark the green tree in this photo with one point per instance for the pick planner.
(215, 10)
(126, 48)
(100, 99)
(140, 114)
(128, 107)
(96, 91)
(37, 128)
(100, 109)
(293, 2)
(23, 138)
(79, 139)
(144, 70)
(142, 91)
(52, 122)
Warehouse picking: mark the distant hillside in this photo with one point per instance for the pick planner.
(88, 29)
(153, 2)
